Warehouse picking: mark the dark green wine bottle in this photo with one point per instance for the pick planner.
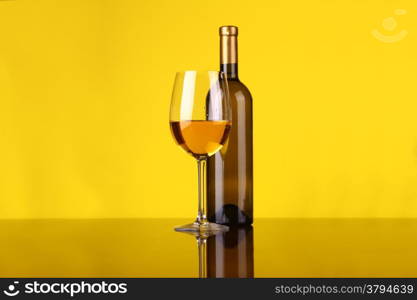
(230, 171)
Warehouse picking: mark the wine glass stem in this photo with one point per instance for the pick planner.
(202, 202)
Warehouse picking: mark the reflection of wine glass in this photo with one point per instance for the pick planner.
(200, 120)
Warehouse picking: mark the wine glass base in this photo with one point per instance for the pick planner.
(206, 228)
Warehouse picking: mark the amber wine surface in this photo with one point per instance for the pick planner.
(200, 138)
(230, 171)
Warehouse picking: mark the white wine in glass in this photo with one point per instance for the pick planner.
(200, 121)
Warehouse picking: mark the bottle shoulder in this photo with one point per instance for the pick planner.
(237, 86)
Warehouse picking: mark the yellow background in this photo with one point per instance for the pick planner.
(85, 89)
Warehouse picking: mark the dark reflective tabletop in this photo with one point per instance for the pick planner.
(151, 248)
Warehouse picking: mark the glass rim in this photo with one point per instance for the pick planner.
(200, 71)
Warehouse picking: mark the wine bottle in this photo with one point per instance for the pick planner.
(230, 171)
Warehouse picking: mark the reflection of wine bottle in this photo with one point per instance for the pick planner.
(230, 171)
(230, 254)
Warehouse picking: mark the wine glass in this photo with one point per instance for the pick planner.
(200, 121)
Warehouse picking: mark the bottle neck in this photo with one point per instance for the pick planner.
(230, 70)
(228, 55)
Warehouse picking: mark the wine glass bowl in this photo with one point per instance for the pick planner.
(200, 122)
